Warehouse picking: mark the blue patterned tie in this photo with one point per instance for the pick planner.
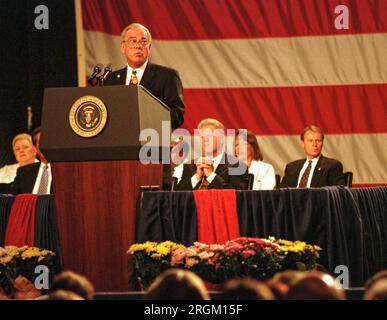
(43, 181)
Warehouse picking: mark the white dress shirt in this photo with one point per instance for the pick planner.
(39, 177)
(264, 175)
(314, 163)
(139, 74)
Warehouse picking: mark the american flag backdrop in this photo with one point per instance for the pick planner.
(271, 66)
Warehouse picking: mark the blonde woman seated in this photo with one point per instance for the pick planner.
(25, 153)
(247, 150)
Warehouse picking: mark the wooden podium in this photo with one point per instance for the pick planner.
(97, 179)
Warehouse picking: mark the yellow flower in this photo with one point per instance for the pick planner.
(146, 246)
(156, 256)
(169, 244)
(162, 250)
(47, 253)
(150, 247)
(6, 259)
(285, 242)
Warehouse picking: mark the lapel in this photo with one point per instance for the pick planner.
(222, 168)
(295, 173)
(120, 76)
(31, 175)
(318, 172)
(147, 77)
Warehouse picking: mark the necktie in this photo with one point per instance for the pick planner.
(305, 176)
(133, 78)
(43, 181)
(204, 185)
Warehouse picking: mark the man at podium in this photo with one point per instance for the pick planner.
(162, 82)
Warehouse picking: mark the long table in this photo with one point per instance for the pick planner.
(349, 224)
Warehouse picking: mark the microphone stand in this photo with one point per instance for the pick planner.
(93, 80)
(106, 72)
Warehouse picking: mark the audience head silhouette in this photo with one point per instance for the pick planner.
(177, 284)
(73, 282)
(316, 286)
(246, 289)
(376, 287)
(64, 295)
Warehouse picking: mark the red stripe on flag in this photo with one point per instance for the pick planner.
(369, 185)
(228, 19)
(287, 110)
(217, 215)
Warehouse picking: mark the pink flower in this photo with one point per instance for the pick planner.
(247, 253)
(205, 255)
(177, 256)
(200, 245)
(216, 247)
(190, 262)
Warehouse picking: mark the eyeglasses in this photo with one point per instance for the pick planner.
(136, 42)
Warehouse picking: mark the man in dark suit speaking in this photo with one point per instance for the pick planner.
(162, 82)
(316, 170)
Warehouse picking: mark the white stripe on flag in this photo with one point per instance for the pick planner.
(298, 61)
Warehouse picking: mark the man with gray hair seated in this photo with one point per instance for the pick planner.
(214, 169)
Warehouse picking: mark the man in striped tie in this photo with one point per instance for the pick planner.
(161, 81)
(316, 170)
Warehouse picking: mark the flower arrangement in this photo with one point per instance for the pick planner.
(21, 261)
(200, 258)
(298, 255)
(215, 263)
(250, 257)
(149, 260)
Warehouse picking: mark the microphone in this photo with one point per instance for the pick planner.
(93, 79)
(106, 72)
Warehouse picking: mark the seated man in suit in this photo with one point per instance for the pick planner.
(316, 170)
(161, 81)
(34, 178)
(215, 169)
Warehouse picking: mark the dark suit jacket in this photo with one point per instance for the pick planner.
(162, 82)
(328, 172)
(25, 179)
(223, 179)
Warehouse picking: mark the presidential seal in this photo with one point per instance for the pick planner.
(88, 116)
